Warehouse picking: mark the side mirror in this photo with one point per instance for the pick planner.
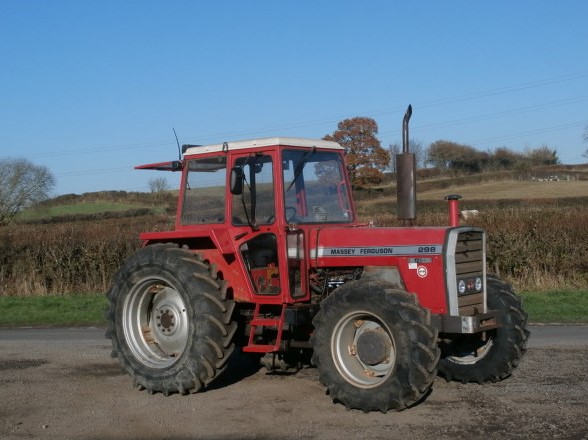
(236, 181)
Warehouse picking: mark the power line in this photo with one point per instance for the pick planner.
(94, 172)
(527, 133)
(133, 146)
(495, 115)
(333, 120)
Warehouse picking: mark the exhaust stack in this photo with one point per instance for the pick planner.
(453, 209)
(406, 177)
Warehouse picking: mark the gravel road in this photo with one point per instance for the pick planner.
(62, 384)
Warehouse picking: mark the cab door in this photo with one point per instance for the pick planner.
(261, 241)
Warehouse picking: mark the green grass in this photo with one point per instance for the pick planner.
(77, 208)
(566, 306)
(52, 310)
(557, 306)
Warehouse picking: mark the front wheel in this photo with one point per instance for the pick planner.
(169, 320)
(374, 347)
(493, 355)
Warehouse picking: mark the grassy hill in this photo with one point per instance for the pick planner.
(537, 235)
(98, 206)
(511, 189)
(82, 208)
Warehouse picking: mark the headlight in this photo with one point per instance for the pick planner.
(478, 284)
(461, 287)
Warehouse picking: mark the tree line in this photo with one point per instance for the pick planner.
(367, 160)
(23, 184)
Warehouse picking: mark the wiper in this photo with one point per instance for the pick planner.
(300, 166)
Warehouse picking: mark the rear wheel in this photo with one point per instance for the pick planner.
(491, 356)
(374, 347)
(169, 320)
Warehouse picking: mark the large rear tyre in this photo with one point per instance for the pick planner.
(493, 355)
(169, 320)
(374, 347)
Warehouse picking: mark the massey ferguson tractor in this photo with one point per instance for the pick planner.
(267, 256)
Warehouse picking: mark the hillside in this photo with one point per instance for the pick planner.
(76, 243)
(99, 206)
(511, 189)
(502, 188)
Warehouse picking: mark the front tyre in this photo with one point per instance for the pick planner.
(493, 355)
(169, 320)
(374, 347)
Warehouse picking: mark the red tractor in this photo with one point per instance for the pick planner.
(267, 255)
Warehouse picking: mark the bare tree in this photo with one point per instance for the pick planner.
(451, 156)
(394, 150)
(22, 184)
(414, 146)
(158, 185)
(585, 154)
(542, 155)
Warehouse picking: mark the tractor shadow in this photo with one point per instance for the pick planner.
(240, 366)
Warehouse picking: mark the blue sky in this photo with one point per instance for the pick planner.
(91, 88)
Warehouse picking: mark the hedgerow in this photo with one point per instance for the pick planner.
(534, 245)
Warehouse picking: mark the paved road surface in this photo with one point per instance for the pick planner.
(543, 335)
(62, 384)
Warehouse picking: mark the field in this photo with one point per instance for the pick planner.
(82, 208)
(537, 235)
(512, 189)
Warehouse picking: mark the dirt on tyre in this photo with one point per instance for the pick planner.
(169, 320)
(374, 347)
(491, 356)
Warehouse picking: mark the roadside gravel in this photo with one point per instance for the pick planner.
(71, 388)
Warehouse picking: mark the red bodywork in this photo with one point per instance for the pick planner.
(416, 253)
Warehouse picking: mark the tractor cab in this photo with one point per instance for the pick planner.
(260, 198)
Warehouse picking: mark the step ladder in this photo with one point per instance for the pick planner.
(261, 320)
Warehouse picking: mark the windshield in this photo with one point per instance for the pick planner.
(314, 187)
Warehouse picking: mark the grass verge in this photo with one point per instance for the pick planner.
(561, 306)
(557, 306)
(53, 310)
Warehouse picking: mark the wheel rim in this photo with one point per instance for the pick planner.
(471, 352)
(363, 350)
(155, 323)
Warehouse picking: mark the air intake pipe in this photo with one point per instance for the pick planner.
(406, 177)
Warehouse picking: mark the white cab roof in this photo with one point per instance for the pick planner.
(263, 142)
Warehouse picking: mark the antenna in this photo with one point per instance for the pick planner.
(178, 142)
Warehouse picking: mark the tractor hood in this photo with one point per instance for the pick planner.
(370, 242)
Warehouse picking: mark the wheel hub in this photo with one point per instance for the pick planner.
(363, 349)
(373, 347)
(166, 321)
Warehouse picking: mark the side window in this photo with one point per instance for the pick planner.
(204, 192)
(256, 203)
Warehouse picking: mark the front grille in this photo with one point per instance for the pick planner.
(469, 268)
